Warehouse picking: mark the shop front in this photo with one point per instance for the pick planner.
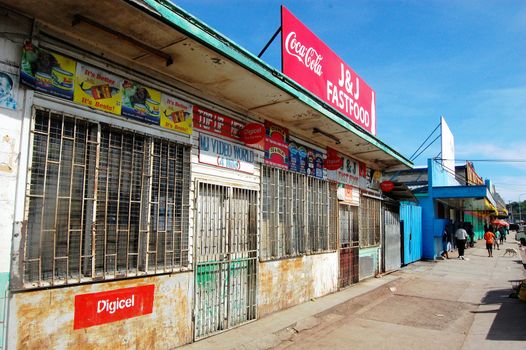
(164, 195)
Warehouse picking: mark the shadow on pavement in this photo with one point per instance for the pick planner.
(510, 318)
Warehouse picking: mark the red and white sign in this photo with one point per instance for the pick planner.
(115, 305)
(311, 63)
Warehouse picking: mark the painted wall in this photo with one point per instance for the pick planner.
(369, 262)
(44, 319)
(13, 29)
(439, 176)
(288, 282)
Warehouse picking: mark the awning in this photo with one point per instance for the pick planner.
(400, 192)
(472, 198)
(158, 38)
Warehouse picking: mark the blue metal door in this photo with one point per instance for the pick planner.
(411, 216)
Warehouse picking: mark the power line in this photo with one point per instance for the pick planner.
(422, 144)
(489, 160)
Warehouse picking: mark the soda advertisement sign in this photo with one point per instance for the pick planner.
(104, 307)
(307, 60)
(276, 146)
(225, 154)
(306, 160)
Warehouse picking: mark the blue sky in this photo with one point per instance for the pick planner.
(465, 60)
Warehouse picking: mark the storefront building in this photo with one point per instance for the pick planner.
(161, 184)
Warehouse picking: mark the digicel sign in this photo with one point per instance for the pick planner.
(311, 63)
(110, 306)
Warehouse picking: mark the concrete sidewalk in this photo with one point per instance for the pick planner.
(464, 302)
(267, 332)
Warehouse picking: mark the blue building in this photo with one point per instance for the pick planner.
(450, 197)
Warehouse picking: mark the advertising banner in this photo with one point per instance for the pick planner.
(276, 146)
(306, 160)
(225, 154)
(253, 135)
(98, 308)
(47, 71)
(307, 60)
(217, 123)
(176, 114)
(98, 89)
(140, 102)
(351, 172)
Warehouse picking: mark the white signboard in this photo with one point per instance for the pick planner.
(225, 154)
(448, 146)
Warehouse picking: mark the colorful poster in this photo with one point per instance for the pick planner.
(176, 115)
(47, 71)
(253, 135)
(98, 89)
(276, 146)
(311, 63)
(225, 154)
(219, 124)
(140, 102)
(306, 160)
(8, 86)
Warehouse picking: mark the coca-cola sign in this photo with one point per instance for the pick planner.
(311, 63)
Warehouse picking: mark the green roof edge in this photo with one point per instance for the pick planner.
(200, 31)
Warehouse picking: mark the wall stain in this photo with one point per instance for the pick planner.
(45, 318)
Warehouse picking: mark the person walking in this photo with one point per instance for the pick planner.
(445, 244)
(489, 237)
(461, 236)
(494, 230)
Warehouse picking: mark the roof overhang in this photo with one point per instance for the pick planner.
(146, 35)
(470, 198)
(400, 192)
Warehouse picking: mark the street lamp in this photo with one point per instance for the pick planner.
(520, 211)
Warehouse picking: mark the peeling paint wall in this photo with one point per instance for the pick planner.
(44, 319)
(13, 30)
(288, 282)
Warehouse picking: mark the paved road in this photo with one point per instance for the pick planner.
(452, 304)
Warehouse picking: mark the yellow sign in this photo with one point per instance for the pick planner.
(176, 114)
(98, 89)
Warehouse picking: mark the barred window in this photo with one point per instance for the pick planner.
(103, 203)
(295, 213)
(369, 221)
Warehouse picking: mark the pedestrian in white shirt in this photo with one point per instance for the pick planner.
(461, 235)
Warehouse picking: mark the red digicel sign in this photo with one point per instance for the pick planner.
(311, 63)
(115, 305)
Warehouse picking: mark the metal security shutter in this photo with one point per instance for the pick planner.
(391, 244)
(226, 258)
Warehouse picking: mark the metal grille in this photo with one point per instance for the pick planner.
(369, 221)
(226, 258)
(295, 213)
(349, 242)
(103, 203)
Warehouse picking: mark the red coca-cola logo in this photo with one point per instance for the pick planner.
(253, 133)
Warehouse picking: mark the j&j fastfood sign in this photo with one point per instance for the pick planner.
(225, 154)
(311, 63)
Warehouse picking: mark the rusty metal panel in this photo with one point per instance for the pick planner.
(349, 242)
(226, 257)
(43, 319)
(102, 203)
